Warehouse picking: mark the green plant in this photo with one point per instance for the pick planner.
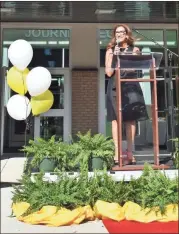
(176, 153)
(68, 192)
(152, 189)
(40, 149)
(96, 146)
(75, 156)
(69, 156)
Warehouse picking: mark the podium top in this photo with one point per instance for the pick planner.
(136, 61)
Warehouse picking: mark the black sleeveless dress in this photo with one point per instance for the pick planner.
(133, 104)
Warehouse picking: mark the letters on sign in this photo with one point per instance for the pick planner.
(51, 33)
(105, 33)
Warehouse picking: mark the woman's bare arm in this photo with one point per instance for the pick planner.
(108, 62)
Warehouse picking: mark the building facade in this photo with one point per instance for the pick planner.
(74, 53)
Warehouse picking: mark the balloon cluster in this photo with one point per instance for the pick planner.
(20, 80)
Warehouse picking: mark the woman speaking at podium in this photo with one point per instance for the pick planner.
(132, 100)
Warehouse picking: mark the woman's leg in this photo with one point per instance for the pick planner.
(115, 138)
(130, 135)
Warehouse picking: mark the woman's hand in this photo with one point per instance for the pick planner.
(116, 50)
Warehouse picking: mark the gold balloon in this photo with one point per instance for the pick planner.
(42, 103)
(16, 80)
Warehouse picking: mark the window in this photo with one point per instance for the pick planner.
(172, 44)
(50, 46)
(49, 57)
(171, 9)
(50, 126)
(57, 88)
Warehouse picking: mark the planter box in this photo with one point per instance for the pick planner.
(116, 175)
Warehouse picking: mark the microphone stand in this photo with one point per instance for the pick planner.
(168, 110)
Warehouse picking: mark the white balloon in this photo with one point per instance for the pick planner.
(20, 53)
(38, 81)
(19, 107)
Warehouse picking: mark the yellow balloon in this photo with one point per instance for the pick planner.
(42, 103)
(16, 80)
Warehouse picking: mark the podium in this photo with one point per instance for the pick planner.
(137, 62)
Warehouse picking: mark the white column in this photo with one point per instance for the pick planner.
(4, 94)
(101, 103)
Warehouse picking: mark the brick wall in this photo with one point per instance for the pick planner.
(84, 101)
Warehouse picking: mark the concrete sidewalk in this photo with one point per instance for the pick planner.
(12, 169)
(11, 172)
(12, 225)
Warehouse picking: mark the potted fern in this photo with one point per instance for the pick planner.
(68, 156)
(176, 153)
(97, 149)
(44, 154)
(75, 156)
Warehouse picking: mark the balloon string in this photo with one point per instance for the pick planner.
(26, 120)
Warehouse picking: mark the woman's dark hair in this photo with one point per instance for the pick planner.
(130, 39)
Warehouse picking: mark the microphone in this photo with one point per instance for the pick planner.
(121, 49)
(117, 42)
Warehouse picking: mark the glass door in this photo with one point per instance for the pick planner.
(2, 107)
(57, 121)
(50, 50)
(12, 131)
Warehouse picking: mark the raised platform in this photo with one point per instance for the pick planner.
(138, 167)
(12, 165)
(116, 175)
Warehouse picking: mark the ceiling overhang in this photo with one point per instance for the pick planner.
(90, 11)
